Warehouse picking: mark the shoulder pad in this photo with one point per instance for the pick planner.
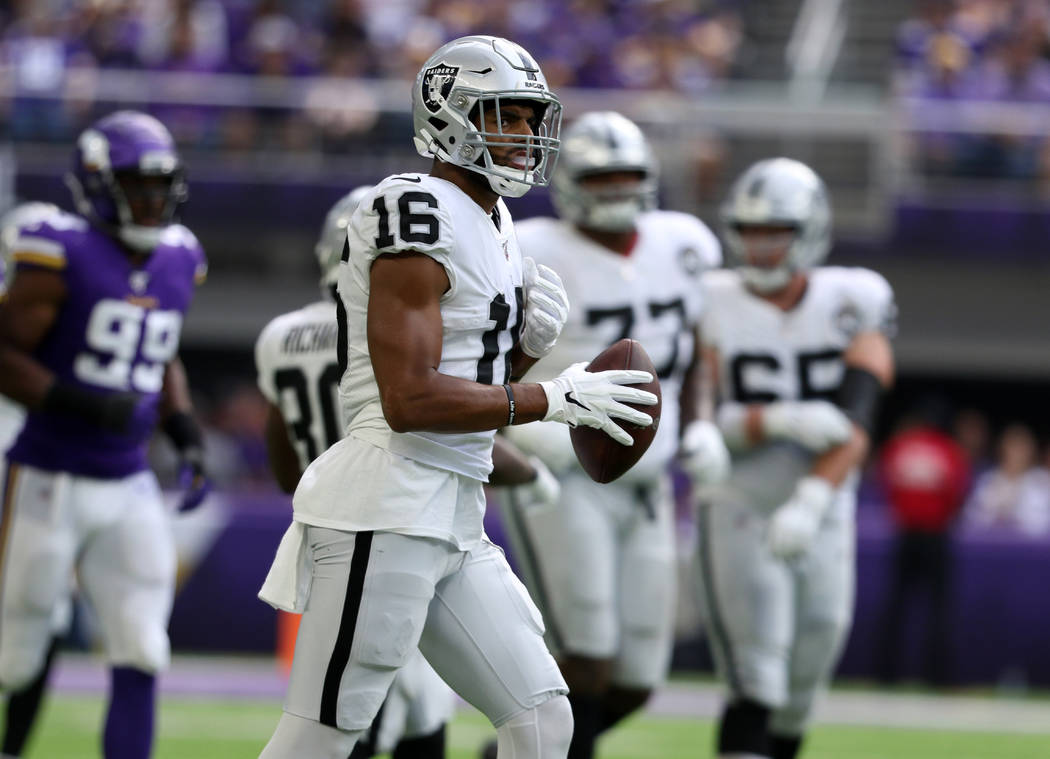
(45, 243)
(180, 237)
(408, 212)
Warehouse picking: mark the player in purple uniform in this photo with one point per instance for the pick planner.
(89, 333)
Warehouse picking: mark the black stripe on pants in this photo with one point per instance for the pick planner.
(347, 624)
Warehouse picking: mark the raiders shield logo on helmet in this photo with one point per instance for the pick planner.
(437, 84)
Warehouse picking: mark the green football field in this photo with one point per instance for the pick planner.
(210, 729)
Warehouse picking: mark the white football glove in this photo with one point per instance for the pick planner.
(546, 308)
(595, 399)
(542, 491)
(794, 525)
(703, 454)
(817, 425)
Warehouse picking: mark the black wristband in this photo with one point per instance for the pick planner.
(859, 396)
(511, 405)
(110, 411)
(183, 431)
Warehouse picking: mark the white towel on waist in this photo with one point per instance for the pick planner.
(287, 584)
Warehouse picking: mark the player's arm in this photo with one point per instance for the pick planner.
(404, 341)
(702, 451)
(284, 461)
(814, 424)
(692, 401)
(175, 410)
(512, 467)
(520, 363)
(27, 314)
(869, 373)
(180, 425)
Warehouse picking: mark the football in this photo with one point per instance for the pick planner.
(600, 456)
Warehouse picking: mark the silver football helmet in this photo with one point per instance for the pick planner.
(16, 218)
(329, 247)
(778, 192)
(467, 77)
(602, 142)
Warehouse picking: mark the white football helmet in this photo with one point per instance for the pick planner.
(19, 217)
(466, 77)
(778, 192)
(329, 247)
(599, 143)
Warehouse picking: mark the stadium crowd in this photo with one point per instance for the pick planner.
(978, 51)
(58, 47)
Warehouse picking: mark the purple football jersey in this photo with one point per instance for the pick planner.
(116, 331)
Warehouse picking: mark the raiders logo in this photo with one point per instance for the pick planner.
(437, 84)
(689, 260)
(847, 320)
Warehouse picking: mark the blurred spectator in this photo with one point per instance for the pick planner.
(51, 48)
(946, 76)
(239, 421)
(925, 474)
(970, 430)
(1016, 493)
(185, 35)
(49, 75)
(978, 51)
(111, 31)
(934, 18)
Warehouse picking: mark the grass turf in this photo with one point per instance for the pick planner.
(211, 729)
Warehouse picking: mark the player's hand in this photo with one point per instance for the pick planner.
(794, 525)
(596, 399)
(542, 491)
(816, 425)
(546, 308)
(703, 454)
(193, 481)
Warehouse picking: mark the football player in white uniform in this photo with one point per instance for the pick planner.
(803, 356)
(295, 357)
(436, 324)
(602, 562)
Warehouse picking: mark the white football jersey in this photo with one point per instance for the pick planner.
(295, 357)
(768, 354)
(480, 313)
(653, 295)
